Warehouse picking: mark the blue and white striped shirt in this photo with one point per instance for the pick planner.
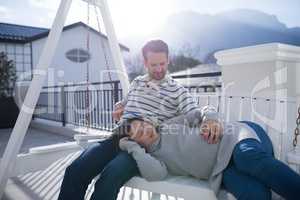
(156, 101)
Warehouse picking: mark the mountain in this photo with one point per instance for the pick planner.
(230, 29)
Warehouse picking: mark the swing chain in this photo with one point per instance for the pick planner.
(87, 94)
(103, 49)
(295, 141)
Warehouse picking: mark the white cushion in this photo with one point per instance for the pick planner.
(179, 186)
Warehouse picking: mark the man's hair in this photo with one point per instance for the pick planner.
(155, 46)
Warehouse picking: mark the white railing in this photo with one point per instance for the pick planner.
(267, 112)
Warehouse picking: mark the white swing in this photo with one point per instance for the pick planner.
(186, 188)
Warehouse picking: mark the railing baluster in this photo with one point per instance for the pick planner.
(63, 106)
(94, 109)
(81, 99)
(228, 108)
(105, 111)
(97, 109)
(241, 108)
(102, 109)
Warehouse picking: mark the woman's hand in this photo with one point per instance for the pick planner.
(211, 131)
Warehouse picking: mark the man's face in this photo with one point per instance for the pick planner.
(156, 64)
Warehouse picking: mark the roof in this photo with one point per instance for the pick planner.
(18, 33)
(23, 34)
(45, 34)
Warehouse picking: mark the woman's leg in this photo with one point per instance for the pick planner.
(244, 187)
(82, 170)
(251, 158)
(116, 173)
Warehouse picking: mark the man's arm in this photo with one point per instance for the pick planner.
(119, 106)
(195, 116)
(211, 128)
(150, 168)
(185, 101)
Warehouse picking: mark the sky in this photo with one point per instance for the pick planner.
(139, 17)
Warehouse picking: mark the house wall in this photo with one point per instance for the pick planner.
(62, 70)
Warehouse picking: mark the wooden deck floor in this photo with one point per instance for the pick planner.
(45, 185)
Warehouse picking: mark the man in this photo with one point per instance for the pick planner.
(155, 97)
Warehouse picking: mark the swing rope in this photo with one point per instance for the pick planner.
(114, 92)
(87, 95)
(103, 47)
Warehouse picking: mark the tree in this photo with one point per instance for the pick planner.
(182, 62)
(135, 66)
(7, 76)
(184, 57)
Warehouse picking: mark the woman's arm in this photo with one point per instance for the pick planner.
(150, 168)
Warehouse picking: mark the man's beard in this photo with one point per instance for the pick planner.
(157, 76)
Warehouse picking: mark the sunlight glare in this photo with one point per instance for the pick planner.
(139, 17)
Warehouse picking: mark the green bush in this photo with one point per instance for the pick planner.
(8, 76)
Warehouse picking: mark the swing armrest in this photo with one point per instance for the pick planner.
(84, 139)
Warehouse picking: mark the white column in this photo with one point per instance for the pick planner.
(24, 118)
(268, 71)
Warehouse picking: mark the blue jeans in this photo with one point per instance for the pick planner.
(115, 167)
(253, 171)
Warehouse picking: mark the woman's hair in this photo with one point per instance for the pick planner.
(155, 46)
(141, 120)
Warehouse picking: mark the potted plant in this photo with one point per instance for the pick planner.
(8, 108)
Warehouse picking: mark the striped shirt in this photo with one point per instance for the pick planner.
(157, 101)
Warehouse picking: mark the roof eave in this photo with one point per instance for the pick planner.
(45, 34)
(18, 41)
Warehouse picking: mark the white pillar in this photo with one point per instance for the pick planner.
(26, 111)
(268, 71)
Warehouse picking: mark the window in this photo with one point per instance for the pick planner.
(78, 55)
(21, 55)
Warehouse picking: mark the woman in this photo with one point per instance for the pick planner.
(243, 160)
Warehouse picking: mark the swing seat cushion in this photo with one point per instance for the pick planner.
(179, 186)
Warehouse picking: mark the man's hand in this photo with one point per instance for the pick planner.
(118, 111)
(211, 131)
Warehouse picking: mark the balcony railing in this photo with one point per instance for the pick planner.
(74, 104)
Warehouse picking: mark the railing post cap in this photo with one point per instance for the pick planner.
(258, 53)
